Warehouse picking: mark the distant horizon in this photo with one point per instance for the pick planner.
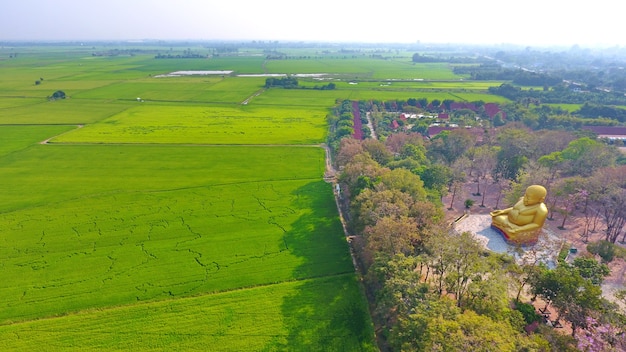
(455, 22)
(302, 42)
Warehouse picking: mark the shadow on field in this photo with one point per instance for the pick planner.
(328, 312)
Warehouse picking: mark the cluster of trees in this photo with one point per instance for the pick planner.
(424, 58)
(434, 289)
(594, 111)
(187, 54)
(292, 83)
(494, 72)
(341, 122)
(285, 82)
(560, 94)
(590, 68)
(59, 94)
(119, 52)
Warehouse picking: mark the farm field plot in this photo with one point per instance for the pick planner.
(361, 68)
(119, 249)
(46, 174)
(11, 102)
(244, 64)
(289, 316)
(15, 138)
(301, 98)
(26, 86)
(481, 86)
(112, 226)
(67, 111)
(154, 123)
(211, 88)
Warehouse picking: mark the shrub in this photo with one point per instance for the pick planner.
(59, 94)
(605, 249)
(528, 311)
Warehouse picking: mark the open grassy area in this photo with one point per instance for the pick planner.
(18, 137)
(291, 316)
(125, 246)
(158, 123)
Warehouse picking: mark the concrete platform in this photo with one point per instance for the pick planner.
(545, 250)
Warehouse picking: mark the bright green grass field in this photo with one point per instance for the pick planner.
(207, 89)
(302, 98)
(14, 138)
(91, 231)
(567, 107)
(361, 68)
(66, 111)
(46, 174)
(156, 123)
(122, 248)
(324, 314)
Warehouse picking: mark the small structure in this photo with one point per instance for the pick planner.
(608, 132)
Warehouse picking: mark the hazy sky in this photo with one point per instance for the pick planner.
(528, 22)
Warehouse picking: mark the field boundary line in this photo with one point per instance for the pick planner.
(46, 141)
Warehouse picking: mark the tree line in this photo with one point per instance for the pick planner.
(292, 83)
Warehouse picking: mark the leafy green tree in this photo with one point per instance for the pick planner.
(59, 94)
(378, 151)
(405, 181)
(585, 155)
(574, 296)
(391, 236)
(450, 145)
(466, 265)
(468, 332)
(437, 177)
(371, 205)
(591, 270)
(344, 131)
(604, 249)
(516, 147)
(361, 165)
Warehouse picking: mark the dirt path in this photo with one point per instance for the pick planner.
(48, 140)
(370, 125)
(259, 92)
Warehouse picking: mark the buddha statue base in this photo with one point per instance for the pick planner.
(527, 238)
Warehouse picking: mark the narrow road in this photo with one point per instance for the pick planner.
(330, 176)
(370, 125)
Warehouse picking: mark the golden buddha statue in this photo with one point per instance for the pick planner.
(522, 222)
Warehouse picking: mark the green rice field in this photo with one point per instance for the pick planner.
(181, 213)
(158, 123)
